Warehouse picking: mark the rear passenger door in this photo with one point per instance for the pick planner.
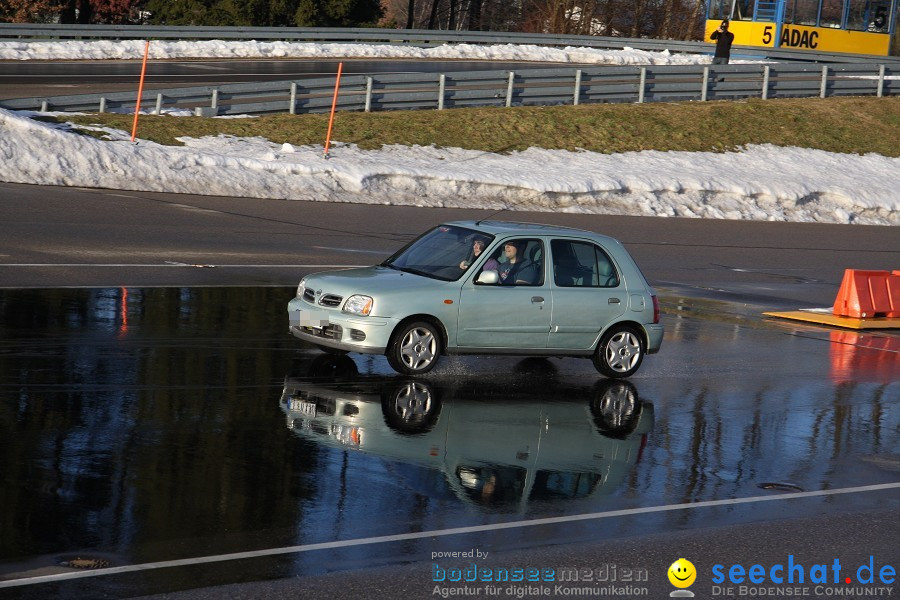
(587, 290)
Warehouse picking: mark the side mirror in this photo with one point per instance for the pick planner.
(488, 278)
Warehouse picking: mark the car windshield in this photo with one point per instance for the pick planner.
(444, 253)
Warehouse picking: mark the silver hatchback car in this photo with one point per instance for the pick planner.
(487, 287)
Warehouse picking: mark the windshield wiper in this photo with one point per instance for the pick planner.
(409, 270)
(415, 272)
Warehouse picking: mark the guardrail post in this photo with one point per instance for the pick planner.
(369, 81)
(577, 96)
(705, 84)
(45, 106)
(214, 101)
(292, 109)
(765, 83)
(642, 85)
(880, 81)
(823, 89)
(159, 104)
(102, 105)
(509, 88)
(442, 83)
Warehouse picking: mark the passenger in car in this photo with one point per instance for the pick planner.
(477, 248)
(517, 270)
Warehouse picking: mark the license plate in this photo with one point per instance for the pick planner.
(316, 319)
(303, 407)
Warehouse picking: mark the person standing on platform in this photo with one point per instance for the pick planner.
(723, 39)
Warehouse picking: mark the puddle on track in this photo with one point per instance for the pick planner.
(157, 424)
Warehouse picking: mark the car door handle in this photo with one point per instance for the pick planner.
(614, 301)
(537, 299)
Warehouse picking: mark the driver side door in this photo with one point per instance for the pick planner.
(506, 316)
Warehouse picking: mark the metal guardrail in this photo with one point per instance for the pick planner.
(417, 37)
(532, 87)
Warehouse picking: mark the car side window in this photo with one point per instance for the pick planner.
(518, 261)
(582, 264)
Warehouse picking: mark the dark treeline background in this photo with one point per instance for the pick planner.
(657, 19)
(674, 19)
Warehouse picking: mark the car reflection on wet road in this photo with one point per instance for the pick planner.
(146, 425)
(492, 445)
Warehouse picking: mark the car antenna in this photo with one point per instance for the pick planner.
(497, 212)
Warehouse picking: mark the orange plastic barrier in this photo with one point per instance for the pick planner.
(868, 294)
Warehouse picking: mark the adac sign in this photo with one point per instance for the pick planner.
(800, 37)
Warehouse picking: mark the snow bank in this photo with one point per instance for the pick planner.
(759, 183)
(162, 49)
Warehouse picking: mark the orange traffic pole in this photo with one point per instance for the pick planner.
(337, 86)
(137, 106)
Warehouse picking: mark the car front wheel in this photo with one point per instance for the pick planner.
(620, 352)
(415, 349)
(411, 408)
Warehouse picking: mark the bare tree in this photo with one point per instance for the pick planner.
(570, 17)
(475, 15)
(454, 15)
(432, 15)
(694, 20)
(609, 14)
(669, 6)
(396, 13)
(638, 15)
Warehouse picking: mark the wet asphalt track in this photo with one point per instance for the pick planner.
(150, 424)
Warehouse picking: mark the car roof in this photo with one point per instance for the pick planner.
(513, 227)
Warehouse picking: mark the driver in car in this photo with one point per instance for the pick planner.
(517, 270)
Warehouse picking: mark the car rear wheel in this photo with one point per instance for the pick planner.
(415, 349)
(615, 407)
(620, 352)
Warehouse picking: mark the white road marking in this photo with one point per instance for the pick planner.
(439, 533)
(347, 250)
(196, 209)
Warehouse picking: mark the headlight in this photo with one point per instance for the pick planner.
(301, 287)
(358, 305)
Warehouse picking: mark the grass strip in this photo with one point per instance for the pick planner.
(853, 125)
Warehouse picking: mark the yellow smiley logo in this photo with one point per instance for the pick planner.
(682, 573)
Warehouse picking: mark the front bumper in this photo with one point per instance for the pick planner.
(339, 330)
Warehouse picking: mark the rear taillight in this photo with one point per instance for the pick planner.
(655, 309)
